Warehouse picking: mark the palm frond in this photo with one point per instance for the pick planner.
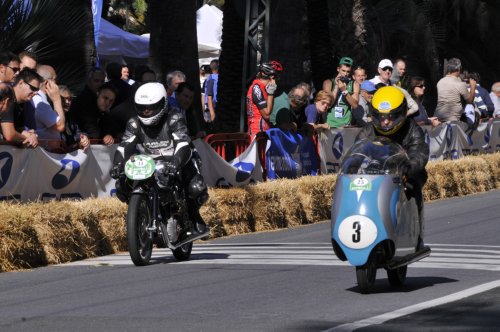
(60, 32)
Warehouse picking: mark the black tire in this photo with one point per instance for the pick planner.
(397, 277)
(140, 246)
(366, 276)
(183, 252)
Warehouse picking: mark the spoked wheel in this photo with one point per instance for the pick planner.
(140, 246)
(183, 252)
(366, 275)
(397, 276)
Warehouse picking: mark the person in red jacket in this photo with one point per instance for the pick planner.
(260, 97)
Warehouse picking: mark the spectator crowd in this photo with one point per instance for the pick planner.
(35, 105)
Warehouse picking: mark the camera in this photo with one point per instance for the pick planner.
(344, 79)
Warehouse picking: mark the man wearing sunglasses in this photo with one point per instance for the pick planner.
(9, 67)
(385, 69)
(12, 122)
(389, 109)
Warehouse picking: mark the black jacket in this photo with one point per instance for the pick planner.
(412, 138)
(168, 139)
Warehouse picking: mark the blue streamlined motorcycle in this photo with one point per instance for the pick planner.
(157, 211)
(375, 222)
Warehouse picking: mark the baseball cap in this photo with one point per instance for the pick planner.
(385, 63)
(345, 61)
(368, 86)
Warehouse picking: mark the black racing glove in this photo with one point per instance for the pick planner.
(116, 170)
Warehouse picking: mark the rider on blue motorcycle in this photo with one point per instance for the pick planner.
(162, 133)
(388, 111)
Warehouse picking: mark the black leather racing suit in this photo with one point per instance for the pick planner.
(168, 140)
(412, 138)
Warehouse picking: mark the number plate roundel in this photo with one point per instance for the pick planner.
(140, 168)
(357, 232)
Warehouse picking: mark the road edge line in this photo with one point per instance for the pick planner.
(416, 307)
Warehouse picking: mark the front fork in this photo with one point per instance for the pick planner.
(154, 215)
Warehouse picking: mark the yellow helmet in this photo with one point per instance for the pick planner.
(388, 103)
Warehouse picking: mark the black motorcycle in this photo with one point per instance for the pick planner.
(157, 211)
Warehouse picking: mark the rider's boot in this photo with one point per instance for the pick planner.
(198, 224)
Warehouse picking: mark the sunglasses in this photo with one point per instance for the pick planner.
(15, 69)
(387, 69)
(66, 99)
(420, 86)
(33, 88)
(390, 116)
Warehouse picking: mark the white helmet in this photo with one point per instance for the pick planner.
(150, 103)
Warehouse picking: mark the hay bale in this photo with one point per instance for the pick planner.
(228, 212)
(316, 194)
(471, 175)
(56, 231)
(266, 206)
(20, 247)
(493, 162)
(443, 175)
(105, 221)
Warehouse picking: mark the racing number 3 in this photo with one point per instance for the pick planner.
(356, 237)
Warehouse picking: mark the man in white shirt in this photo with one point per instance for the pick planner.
(50, 121)
(385, 69)
(495, 98)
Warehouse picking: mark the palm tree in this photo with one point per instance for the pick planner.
(319, 41)
(173, 40)
(231, 69)
(286, 40)
(59, 32)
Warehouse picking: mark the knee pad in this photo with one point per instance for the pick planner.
(197, 189)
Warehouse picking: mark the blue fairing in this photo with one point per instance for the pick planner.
(367, 205)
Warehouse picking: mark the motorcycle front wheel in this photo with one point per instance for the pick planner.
(366, 275)
(140, 245)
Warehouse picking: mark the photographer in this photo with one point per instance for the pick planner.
(345, 93)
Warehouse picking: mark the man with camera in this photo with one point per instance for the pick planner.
(345, 93)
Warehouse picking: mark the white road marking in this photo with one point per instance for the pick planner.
(443, 256)
(417, 307)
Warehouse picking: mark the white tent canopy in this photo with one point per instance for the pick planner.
(115, 44)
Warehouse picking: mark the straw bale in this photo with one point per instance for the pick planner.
(266, 206)
(228, 212)
(471, 175)
(105, 220)
(493, 161)
(57, 233)
(316, 194)
(441, 182)
(20, 247)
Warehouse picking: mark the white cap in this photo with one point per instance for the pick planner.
(385, 63)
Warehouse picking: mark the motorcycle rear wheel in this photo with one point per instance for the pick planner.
(397, 277)
(183, 252)
(366, 276)
(140, 246)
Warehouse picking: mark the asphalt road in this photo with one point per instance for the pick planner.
(286, 280)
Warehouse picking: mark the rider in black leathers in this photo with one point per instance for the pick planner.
(388, 110)
(161, 132)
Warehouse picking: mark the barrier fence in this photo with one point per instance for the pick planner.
(228, 160)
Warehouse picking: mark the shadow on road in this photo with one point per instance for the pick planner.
(411, 284)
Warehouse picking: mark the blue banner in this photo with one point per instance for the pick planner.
(96, 13)
(289, 155)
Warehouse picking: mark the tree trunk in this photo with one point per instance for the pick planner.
(231, 69)
(173, 41)
(286, 40)
(319, 42)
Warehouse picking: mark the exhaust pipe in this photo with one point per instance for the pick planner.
(411, 258)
